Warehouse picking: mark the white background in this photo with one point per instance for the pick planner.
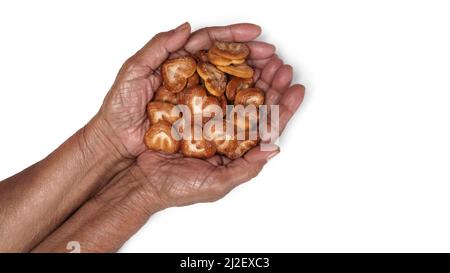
(365, 164)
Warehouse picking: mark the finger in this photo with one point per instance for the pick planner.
(256, 74)
(178, 53)
(260, 63)
(157, 50)
(204, 38)
(272, 97)
(280, 83)
(245, 168)
(282, 79)
(268, 73)
(289, 103)
(260, 50)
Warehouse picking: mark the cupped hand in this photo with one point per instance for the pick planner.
(173, 179)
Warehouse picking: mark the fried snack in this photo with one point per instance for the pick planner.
(224, 140)
(223, 104)
(229, 50)
(249, 96)
(201, 56)
(212, 108)
(164, 95)
(214, 79)
(247, 120)
(198, 148)
(240, 70)
(175, 73)
(157, 111)
(200, 104)
(219, 60)
(159, 138)
(235, 85)
(200, 81)
(242, 147)
(193, 80)
(193, 98)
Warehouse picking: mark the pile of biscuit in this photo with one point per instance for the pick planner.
(217, 77)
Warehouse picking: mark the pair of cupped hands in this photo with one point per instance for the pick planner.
(152, 181)
(174, 179)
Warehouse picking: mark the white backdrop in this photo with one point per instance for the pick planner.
(365, 164)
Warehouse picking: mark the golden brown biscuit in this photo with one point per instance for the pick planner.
(223, 104)
(242, 147)
(175, 73)
(249, 96)
(199, 148)
(230, 50)
(219, 60)
(159, 138)
(200, 104)
(193, 80)
(164, 95)
(201, 56)
(239, 70)
(224, 139)
(214, 79)
(157, 111)
(235, 85)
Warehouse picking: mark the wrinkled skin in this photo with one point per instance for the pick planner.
(154, 181)
(176, 180)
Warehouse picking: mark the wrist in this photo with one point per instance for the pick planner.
(133, 192)
(109, 218)
(97, 141)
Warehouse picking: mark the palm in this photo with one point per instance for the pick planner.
(178, 180)
(124, 105)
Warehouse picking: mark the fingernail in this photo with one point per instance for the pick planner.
(271, 149)
(272, 154)
(182, 27)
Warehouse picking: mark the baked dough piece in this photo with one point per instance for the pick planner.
(175, 73)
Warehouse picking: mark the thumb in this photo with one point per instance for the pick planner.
(157, 50)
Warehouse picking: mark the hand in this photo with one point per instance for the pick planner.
(177, 180)
(156, 181)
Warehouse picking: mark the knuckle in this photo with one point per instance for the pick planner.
(130, 64)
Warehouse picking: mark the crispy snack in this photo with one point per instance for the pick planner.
(193, 80)
(200, 81)
(164, 95)
(245, 120)
(175, 73)
(157, 111)
(219, 60)
(200, 104)
(199, 148)
(242, 147)
(159, 138)
(239, 70)
(212, 108)
(215, 80)
(223, 104)
(224, 140)
(229, 50)
(249, 96)
(193, 98)
(201, 56)
(235, 85)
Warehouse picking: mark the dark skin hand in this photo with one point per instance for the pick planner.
(151, 181)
